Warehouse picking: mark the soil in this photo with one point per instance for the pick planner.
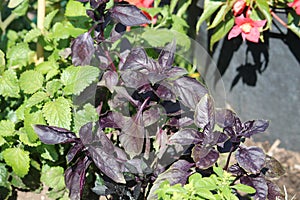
(289, 181)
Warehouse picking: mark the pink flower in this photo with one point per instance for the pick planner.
(141, 3)
(296, 5)
(238, 7)
(249, 28)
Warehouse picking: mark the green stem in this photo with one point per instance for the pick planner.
(6, 22)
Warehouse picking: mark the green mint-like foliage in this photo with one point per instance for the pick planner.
(218, 186)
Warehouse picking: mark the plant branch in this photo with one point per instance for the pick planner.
(40, 24)
(6, 22)
(278, 19)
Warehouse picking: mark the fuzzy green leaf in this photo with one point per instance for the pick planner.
(31, 81)
(7, 128)
(76, 79)
(19, 55)
(2, 141)
(36, 98)
(244, 188)
(3, 175)
(18, 159)
(49, 18)
(53, 86)
(58, 113)
(88, 114)
(32, 34)
(9, 86)
(75, 9)
(2, 62)
(29, 121)
(53, 177)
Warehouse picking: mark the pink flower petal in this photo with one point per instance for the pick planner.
(253, 35)
(239, 20)
(259, 23)
(235, 31)
(298, 10)
(147, 3)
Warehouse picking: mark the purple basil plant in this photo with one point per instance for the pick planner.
(155, 122)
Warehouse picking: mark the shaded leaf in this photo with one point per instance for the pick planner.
(251, 159)
(111, 79)
(254, 127)
(189, 90)
(258, 183)
(177, 173)
(128, 15)
(101, 150)
(186, 136)
(224, 117)
(166, 56)
(82, 49)
(204, 157)
(3, 176)
(54, 135)
(273, 167)
(87, 114)
(75, 177)
(274, 191)
(74, 150)
(205, 112)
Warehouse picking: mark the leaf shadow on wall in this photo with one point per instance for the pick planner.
(256, 60)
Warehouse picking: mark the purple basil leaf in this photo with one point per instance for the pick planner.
(205, 112)
(175, 72)
(259, 184)
(102, 150)
(151, 116)
(107, 164)
(83, 1)
(111, 120)
(161, 141)
(91, 14)
(177, 173)
(117, 32)
(138, 166)
(136, 59)
(111, 79)
(224, 117)
(82, 50)
(204, 157)
(165, 92)
(254, 127)
(252, 159)
(166, 56)
(134, 79)
(133, 133)
(54, 135)
(123, 93)
(96, 3)
(189, 90)
(102, 61)
(129, 15)
(273, 167)
(236, 170)
(222, 139)
(186, 136)
(274, 191)
(75, 178)
(73, 151)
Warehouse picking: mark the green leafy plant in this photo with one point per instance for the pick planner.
(218, 186)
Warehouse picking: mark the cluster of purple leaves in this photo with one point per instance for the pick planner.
(162, 121)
